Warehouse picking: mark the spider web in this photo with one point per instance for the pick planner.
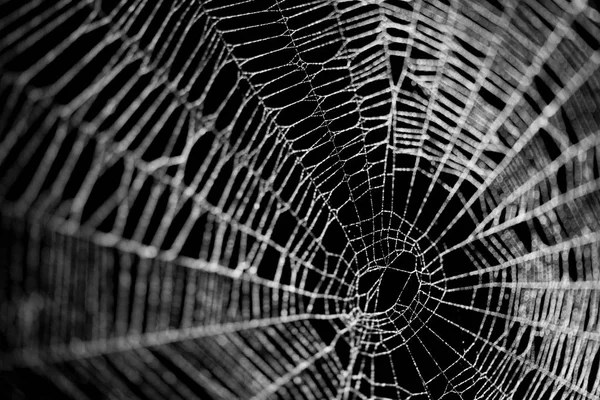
(311, 199)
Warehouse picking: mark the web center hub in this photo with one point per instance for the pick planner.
(393, 286)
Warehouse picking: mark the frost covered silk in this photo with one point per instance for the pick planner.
(300, 199)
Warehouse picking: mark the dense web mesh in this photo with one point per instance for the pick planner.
(300, 199)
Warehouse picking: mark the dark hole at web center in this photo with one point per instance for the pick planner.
(387, 286)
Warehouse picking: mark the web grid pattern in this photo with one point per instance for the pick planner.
(300, 199)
